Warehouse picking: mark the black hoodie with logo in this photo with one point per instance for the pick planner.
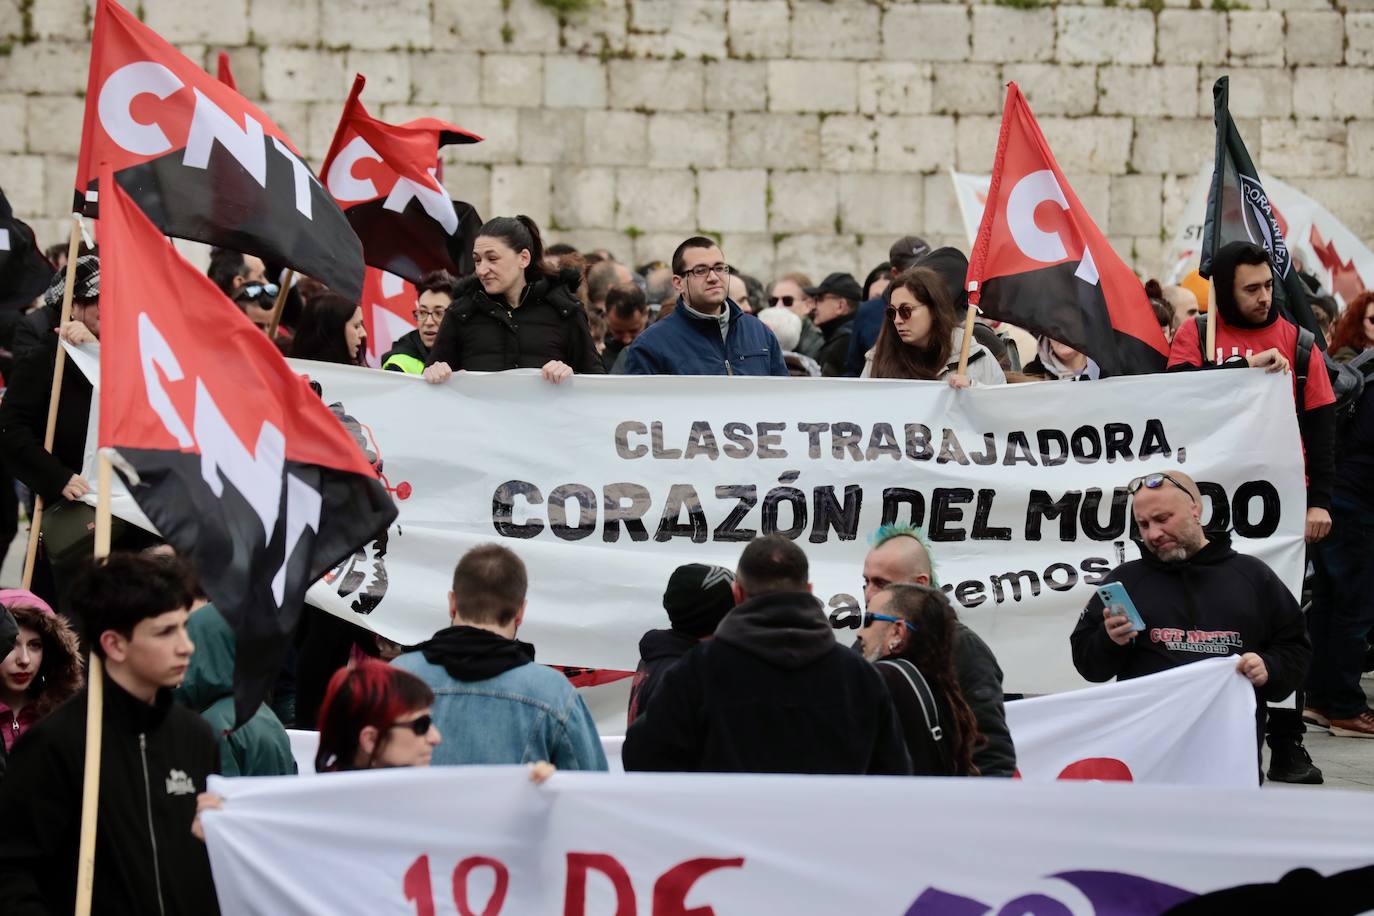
(1217, 602)
(154, 760)
(773, 692)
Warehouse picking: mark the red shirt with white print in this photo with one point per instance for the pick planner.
(1281, 335)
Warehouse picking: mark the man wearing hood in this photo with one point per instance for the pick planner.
(492, 703)
(697, 598)
(1198, 598)
(1252, 333)
(772, 692)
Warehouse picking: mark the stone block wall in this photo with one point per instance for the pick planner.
(805, 134)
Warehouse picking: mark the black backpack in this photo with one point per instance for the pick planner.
(1347, 379)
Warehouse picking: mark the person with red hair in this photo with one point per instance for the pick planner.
(1353, 332)
(375, 716)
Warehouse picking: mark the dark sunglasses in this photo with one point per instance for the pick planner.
(254, 290)
(785, 300)
(906, 311)
(1154, 482)
(419, 726)
(869, 617)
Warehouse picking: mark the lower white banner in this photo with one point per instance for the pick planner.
(484, 840)
(1190, 726)
(604, 484)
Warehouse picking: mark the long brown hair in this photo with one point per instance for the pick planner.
(1349, 328)
(931, 649)
(894, 359)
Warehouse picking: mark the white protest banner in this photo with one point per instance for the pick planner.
(604, 484)
(1318, 241)
(1191, 726)
(484, 840)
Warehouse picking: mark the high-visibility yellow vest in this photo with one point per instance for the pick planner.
(406, 363)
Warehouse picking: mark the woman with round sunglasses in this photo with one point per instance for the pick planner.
(922, 336)
(908, 631)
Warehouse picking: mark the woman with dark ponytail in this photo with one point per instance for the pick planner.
(514, 312)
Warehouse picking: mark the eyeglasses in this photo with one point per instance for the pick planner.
(428, 314)
(254, 290)
(785, 300)
(419, 726)
(869, 617)
(701, 270)
(1154, 482)
(906, 311)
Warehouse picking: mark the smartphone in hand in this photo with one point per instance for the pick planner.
(1118, 602)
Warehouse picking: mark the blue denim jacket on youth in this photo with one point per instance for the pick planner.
(523, 715)
(683, 344)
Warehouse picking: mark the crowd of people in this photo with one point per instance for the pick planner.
(748, 675)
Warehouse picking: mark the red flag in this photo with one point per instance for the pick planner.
(388, 312)
(1041, 263)
(202, 161)
(385, 178)
(226, 75)
(228, 452)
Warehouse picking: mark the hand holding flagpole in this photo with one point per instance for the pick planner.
(36, 523)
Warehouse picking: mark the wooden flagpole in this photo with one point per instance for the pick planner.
(36, 523)
(969, 317)
(95, 708)
(286, 278)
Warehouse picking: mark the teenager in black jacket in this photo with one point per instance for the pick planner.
(155, 757)
(514, 312)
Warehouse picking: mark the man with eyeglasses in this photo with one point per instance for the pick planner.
(706, 333)
(410, 353)
(1198, 598)
(898, 556)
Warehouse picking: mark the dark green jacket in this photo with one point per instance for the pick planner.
(260, 747)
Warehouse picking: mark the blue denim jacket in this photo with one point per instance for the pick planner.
(523, 715)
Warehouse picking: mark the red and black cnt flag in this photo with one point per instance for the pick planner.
(1041, 263)
(202, 161)
(1238, 210)
(24, 272)
(228, 452)
(384, 177)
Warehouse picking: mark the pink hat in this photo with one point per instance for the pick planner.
(22, 597)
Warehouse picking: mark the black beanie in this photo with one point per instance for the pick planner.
(697, 597)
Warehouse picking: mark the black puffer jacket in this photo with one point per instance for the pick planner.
(481, 334)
